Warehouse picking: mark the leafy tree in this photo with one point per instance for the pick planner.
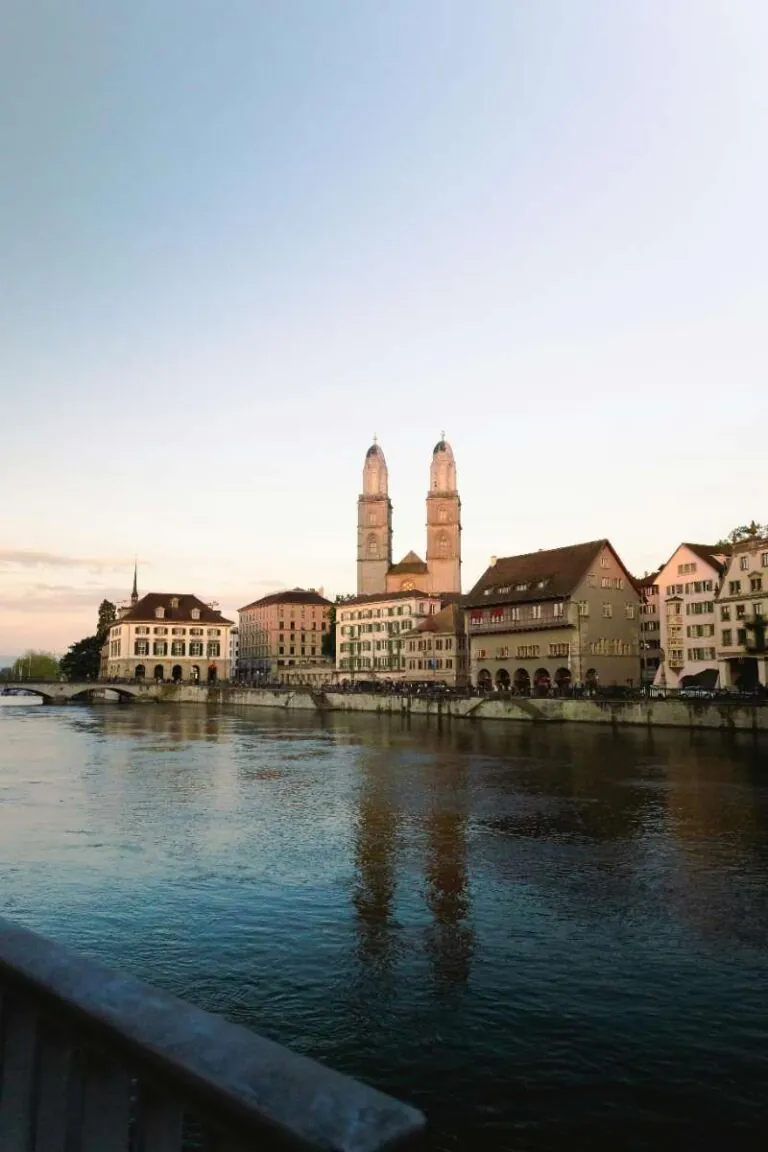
(751, 531)
(82, 660)
(35, 666)
(328, 647)
(6, 673)
(107, 617)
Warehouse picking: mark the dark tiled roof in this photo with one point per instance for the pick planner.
(374, 597)
(374, 450)
(548, 575)
(708, 553)
(649, 580)
(294, 596)
(410, 563)
(145, 609)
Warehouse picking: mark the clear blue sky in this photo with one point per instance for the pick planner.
(238, 238)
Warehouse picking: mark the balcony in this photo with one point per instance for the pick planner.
(484, 627)
(93, 1061)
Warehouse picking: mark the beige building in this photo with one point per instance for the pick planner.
(650, 627)
(168, 636)
(688, 586)
(567, 616)
(371, 630)
(741, 617)
(281, 637)
(436, 649)
(441, 571)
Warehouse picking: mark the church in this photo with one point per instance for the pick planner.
(440, 573)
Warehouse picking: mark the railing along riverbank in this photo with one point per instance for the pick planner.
(95, 1061)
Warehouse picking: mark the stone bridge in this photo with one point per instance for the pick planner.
(61, 691)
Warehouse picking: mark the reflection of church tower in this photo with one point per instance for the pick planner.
(375, 848)
(374, 525)
(443, 522)
(450, 939)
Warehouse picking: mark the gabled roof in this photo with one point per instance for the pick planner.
(649, 580)
(144, 610)
(448, 619)
(709, 553)
(410, 563)
(292, 596)
(544, 575)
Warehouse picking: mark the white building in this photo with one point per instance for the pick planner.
(234, 651)
(369, 631)
(688, 586)
(741, 612)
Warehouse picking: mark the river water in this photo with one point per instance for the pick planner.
(547, 938)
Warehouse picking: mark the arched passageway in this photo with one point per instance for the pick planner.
(176, 674)
(542, 682)
(140, 672)
(563, 679)
(484, 680)
(522, 682)
(502, 680)
(159, 674)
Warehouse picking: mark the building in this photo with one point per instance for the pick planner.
(169, 636)
(688, 585)
(441, 571)
(234, 651)
(370, 632)
(741, 617)
(436, 649)
(650, 628)
(567, 616)
(283, 631)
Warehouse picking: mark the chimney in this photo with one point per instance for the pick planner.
(493, 561)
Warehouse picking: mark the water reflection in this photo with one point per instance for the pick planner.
(450, 938)
(375, 847)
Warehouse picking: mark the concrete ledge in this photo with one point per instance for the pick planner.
(257, 1084)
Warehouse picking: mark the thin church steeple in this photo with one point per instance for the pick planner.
(135, 589)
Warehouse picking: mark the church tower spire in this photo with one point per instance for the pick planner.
(443, 521)
(135, 589)
(374, 524)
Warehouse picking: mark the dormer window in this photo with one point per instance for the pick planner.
(174, 601)
(195, 613)
(521, 587)
(159, 612)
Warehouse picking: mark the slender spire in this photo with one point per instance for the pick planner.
(135, 589)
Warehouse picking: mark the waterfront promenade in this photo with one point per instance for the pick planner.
(674, 712)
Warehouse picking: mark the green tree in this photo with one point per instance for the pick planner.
(750, 531)
(35, 666)
(81, 661)
(107, 617)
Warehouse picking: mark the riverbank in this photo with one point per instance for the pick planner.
(637, 713)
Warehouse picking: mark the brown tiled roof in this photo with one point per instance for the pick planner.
(449, 619)
(144, 611)
(649, 580)
(374, 597)
(548, 575)
(294, 596)
(410, 563)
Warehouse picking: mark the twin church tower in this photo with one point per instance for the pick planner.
(441, 573)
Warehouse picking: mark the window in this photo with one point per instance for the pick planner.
(141, 648)
(449, 663)
(604, 561)
(741, 636)
(592, 580)
(174, 601)
(195, 615)
(536, 611)
(755, 583)
(142, 631)
(160, 631)
(214, 648)
(727, 634)
(605, 581)
(159, 612)
(741, 611)
(482, 653)
(502, 653)
(559, 650)
(744, 563)
(734, 587)
(607, 611)
(725, 612)
(527, 652)
(177, 647)
(684, 569)
(214, 631)
(764, 559)
(701, 653)
(521, 587)
(619, 583)
(178, 631)
(629, 611)
(557, 610)
(195, 647)
(758, 608)
(700, 608)
(160, 648)
(583, 608)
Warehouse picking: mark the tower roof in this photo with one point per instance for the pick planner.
(442, 446)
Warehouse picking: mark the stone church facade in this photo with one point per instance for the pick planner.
(440, 573)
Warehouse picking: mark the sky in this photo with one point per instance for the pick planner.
(238, 238)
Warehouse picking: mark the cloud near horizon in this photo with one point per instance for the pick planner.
(19, 558)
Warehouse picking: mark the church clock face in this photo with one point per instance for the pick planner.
(407, 586)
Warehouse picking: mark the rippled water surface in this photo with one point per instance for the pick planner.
(548, 939)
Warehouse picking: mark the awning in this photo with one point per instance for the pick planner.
(707, 678)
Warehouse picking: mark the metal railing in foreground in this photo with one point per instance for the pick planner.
(94, 1061)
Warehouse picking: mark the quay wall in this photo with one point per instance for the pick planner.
(642, 713)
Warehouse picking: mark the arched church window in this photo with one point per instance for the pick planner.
(372, 516)
(443, 545)
(373, 548)
(442, 514)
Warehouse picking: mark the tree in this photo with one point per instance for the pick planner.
(82, 660)
(107, 617)
(328, 646)
(35, 666)
(744, 532)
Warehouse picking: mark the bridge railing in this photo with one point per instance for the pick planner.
(94, 1061)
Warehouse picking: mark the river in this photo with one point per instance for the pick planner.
(547, 938)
